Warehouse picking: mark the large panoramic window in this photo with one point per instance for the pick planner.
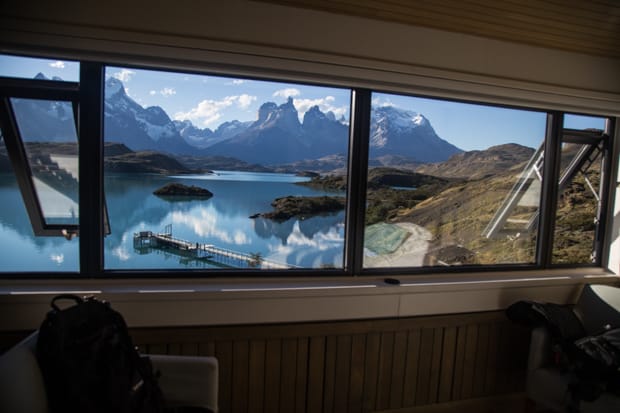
(451, 183)
(123, 171)
(216, 172)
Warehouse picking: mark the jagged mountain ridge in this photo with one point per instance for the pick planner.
(277, 136)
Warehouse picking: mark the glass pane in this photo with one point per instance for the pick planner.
(451, 183)
(20, 249)
(47, 129)
(272, 156)
(581, 122)
(33, 68)
(578, 205)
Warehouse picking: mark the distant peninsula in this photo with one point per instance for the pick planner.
(303, 207)
(185, 191)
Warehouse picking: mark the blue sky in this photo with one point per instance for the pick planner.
(208, 101)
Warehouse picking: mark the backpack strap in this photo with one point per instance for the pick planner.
(73, 297)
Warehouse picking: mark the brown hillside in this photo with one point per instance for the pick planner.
(480, 164)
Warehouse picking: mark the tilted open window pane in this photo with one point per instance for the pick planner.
(47, 130)
(214, 172)
(580, 190)
(20, 249)
(451, 183)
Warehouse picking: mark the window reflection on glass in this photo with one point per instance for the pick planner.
(214, 172)
(20, 249)
(578, 209)
(47, 129)
(451, 183)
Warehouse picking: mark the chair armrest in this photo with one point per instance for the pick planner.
(540, 349)
(188, 380)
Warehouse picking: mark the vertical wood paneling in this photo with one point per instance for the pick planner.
(206, 349)
(399, 362)
(469, 366)
(273, 370)
(358, 366)
(459, 363)
(329, 376)
(256, 376)
(435, 365)
(240, 384)
(343, 373)
(224, 354)
(480, 370)
(356, 383)
(385, 370)
(411, 370)
(316, 369)
(371, 371)
(301, 380)
(491, 373)
(448, 359)
(424, 367)
(289, 375)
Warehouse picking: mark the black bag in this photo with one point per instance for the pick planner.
(89, 363)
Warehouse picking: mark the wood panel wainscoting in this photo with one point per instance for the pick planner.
(449, 363)
(357, 366)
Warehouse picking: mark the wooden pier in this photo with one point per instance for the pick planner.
(145, 241)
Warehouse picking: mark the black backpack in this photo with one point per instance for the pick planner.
(89, 363)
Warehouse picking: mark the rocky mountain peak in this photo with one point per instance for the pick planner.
(114, 88)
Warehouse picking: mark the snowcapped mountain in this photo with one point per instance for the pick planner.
(276, 137)
(406, 133)
(139, 128)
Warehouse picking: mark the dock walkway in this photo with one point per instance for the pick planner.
(144, 241)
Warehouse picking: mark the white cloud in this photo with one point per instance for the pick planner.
(244, 101)
(168, 91)
(58, 64)
(286, 93)
(205, 225)
(381, 102)
(326, 104)
(209, 111)
(238, 81)
(124, 75)
(153, 92)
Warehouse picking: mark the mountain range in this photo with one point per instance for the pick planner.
(276, 137)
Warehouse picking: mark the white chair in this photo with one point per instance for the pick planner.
(184, 380)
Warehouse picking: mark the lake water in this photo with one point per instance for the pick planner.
(222, 221)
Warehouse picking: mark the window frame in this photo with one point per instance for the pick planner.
(93, 217)
(37, 89)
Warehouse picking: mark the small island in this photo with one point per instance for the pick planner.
(303, 207)
(176, 190)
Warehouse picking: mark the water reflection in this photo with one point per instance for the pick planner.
(222, 221)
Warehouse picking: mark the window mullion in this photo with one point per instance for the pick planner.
(91, 168)
(549, 190)
(358, 172)
(607, 195)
